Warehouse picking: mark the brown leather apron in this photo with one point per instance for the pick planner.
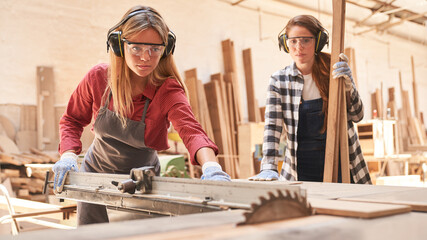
(115, 149)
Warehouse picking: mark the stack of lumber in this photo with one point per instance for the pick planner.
(217, 105)
(410, 132)
(24, 173)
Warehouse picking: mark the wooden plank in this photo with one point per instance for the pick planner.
(232, 110)
(230, 67)
(412, 132)
(197, 100)
(10, 173)
(212, 90)
(28, 118)
(350, 52)
(47, 136)
(409, 198)
(417, 128)
(250, 91)
(8, 127)
(26, 139)
(379, 102)
(345, 162)
(249, 134)
(226, 107)
(231, 139)
(398, 145)
(262, 113)
(14, 160)
(356, 209)
(233, 128)
(7, 145)
(38, 152)
(32, 207)
(335, 136)
(191, 84)
(414, 90)
(374, 107)
(8, 185)
(206, 121)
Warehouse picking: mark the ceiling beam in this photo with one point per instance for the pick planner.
(386, 25)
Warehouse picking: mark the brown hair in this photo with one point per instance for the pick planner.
(119, 74)
(322, 61)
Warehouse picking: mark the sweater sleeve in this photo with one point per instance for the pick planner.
(178, 110)
(84, 101)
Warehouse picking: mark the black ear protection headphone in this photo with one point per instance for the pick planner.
(322, 39)
(114, 38)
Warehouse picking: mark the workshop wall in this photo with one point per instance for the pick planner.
(70, 37)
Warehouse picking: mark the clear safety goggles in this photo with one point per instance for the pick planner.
(138, 49)
(303, 41)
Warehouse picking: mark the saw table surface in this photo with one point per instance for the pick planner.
(222, 224)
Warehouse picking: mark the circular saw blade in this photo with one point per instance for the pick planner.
(275, 208)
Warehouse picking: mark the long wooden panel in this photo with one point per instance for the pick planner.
(212, 90)
(47, 136)
(336, 140)
(416, 199)
(356, 209)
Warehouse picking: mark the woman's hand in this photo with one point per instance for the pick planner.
(213, 171)
(210, 166)
(266, 175)
(341, 69)
(66, 163)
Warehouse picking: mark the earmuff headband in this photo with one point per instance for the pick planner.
(114, 39)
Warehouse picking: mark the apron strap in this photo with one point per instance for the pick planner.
(107, 101)
(147, 102)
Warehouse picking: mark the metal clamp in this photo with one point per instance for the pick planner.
(140, 179)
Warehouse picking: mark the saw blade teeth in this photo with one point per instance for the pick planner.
(290, 194)
(263, 200)
(282, 205)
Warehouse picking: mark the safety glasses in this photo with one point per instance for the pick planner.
(303, 41)
(138, 49)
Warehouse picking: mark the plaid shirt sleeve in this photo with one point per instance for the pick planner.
(273, 126)
(358, 167)
(355, 110)
(284, 95)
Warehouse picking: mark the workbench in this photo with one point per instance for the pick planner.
(222, 224)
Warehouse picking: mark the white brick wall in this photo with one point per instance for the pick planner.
(70, 36)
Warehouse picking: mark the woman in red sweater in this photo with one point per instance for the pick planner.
(133, 101)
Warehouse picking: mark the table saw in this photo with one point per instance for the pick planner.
(241, 209)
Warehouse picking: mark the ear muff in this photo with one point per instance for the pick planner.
(282, 43)
(321, 40)
(116, 43)
(114, 38)
(170, 47)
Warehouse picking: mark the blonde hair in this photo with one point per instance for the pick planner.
(119, 81)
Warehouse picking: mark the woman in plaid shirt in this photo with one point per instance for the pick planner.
(298, 102)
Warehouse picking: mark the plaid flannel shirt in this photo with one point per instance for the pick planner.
(282, 110)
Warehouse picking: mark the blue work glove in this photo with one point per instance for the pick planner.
(266, 175)
(341, 69)
(66, 163)
(213, 171)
